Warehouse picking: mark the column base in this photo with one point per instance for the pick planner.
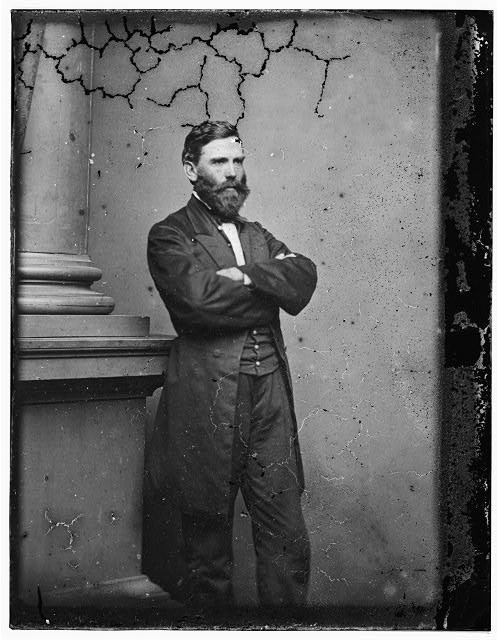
(59, 283)
(72, 326)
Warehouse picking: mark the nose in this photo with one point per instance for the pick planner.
(230, 170)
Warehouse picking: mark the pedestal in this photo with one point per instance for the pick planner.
(78, 443)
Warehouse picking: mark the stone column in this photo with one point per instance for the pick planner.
(53, 138)
(82, 376)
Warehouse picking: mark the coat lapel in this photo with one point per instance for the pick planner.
(245, 243)
(199, 217)
(253, 243)
(217, 248)
(206, 234)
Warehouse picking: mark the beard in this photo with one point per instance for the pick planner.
(226, 199)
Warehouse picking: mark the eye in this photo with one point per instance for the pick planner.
(239, 161)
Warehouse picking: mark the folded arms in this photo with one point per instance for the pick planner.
(209, 299)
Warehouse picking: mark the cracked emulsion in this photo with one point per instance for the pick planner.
(127, 43)
(66, 525)
(211, 409)
(198, 58)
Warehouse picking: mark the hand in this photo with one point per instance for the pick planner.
(282, 256)
(232, 273)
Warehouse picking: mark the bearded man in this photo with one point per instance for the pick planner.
(226, 418)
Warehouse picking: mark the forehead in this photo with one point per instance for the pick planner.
(226, 147)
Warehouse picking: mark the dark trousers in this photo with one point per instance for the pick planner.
(264, 468)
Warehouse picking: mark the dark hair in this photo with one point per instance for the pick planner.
(204, 133)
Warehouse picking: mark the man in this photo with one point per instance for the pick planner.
(226, 418)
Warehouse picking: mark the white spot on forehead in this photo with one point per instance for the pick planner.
(240, 143)
(231, 139)
(223, 145)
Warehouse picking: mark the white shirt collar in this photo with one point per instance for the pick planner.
(196, 195)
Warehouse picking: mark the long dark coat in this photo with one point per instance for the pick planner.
(192, 439)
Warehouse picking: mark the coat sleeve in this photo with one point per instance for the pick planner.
(288, 283)
(198, 299)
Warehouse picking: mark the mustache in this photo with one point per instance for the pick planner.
(239, 185)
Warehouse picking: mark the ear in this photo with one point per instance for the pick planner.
(190, 171)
